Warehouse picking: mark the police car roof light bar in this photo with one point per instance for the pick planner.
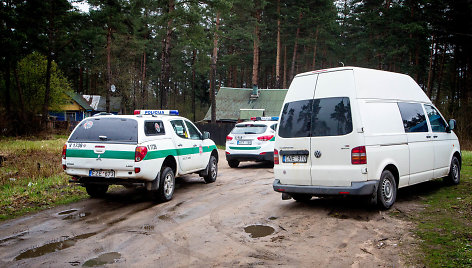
(156, 112)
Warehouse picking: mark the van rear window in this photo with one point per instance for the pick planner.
(316, 118)
(106, 130)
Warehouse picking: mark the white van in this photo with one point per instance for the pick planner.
(356, 131)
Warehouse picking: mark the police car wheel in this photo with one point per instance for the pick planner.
(233, 163)
(212, 170)
(96, 190)
(166, 185)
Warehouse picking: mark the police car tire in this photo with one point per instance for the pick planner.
(96, 190)
(166, 185)
(212, 171)
(233, 163)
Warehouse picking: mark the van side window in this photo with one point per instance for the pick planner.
(331, 117)
(296, 119)
(413, 117)
(437, 122)
(153, 128)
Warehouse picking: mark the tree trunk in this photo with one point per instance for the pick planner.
(194, 57)
(428, 85)
(7, 77)
(165, 58)
(295, 47)
(214, 59)
(47, 91)
(108, 95)
(143, 81)
(313, 65)
(22, 102)
(81, 80)
(277, 60)
(255, 62)
(285, 67)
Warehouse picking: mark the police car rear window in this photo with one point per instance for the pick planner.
(153, 128)
(249, 129)
(106, 130)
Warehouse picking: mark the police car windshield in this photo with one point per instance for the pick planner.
(249, 129)
(106, 130)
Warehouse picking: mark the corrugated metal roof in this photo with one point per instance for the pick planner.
(230, 100)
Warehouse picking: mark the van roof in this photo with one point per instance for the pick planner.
(376, 84)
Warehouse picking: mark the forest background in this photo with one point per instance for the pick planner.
(176, 54)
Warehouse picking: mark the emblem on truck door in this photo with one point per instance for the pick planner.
(317, 154)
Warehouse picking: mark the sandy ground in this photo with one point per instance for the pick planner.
(205, 225)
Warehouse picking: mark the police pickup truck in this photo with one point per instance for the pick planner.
(149, 148)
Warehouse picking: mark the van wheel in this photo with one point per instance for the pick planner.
(233, 163)
(387, 190)
(212, 171)
(166, 185)
(454, 176)
(96, 190)
(301, 197)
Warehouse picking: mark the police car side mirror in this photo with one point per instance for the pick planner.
(452, 125)
(206, 135)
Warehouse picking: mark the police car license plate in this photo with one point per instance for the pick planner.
(294, 159)
(244, 142)
(102, 173)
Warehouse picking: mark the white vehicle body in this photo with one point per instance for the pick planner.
(134, 149)
(352, 124)
(251, 141)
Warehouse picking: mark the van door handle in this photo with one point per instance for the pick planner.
(435, 136)
(428, 137)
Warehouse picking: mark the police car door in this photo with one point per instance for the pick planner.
(201, 159)
(184, 146)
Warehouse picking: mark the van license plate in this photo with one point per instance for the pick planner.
(244, 142)
(102, 173)
(294, 158)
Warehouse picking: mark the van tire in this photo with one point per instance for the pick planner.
(301, 197)
(233, 163)
(386, 190)
(454, 176)
(96, 190)
(212, 170)
(166, 185)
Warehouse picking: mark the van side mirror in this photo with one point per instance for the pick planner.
(206, 135)
(452, 125)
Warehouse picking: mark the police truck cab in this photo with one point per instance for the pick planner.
(149, 148)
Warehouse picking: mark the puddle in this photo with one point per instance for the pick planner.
(113, 222)
(273, 218)
(77, 216)
(65, 212)
(164, 218)
(106, 258)
(11, 237)
(258, 230)
(52, 247)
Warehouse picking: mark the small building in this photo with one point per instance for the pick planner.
(234, 104)
(99, 103)
(75, 109)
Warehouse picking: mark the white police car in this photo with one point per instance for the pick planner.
(149, 148)
(251, 141)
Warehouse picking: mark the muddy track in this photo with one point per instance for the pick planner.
(206, 224)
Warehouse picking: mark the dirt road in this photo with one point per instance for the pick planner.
(208, 225)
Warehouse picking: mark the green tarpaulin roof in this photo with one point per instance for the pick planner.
(230, 100)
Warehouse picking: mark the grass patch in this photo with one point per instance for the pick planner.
(445, 226)
(31, 176)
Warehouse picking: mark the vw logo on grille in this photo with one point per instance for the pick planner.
(317, 154)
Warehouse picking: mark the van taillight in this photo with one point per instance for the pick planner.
(265, 138)
(229, 138)
(276, 157)
(358, 156)
(64, 150)
(140, 153)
